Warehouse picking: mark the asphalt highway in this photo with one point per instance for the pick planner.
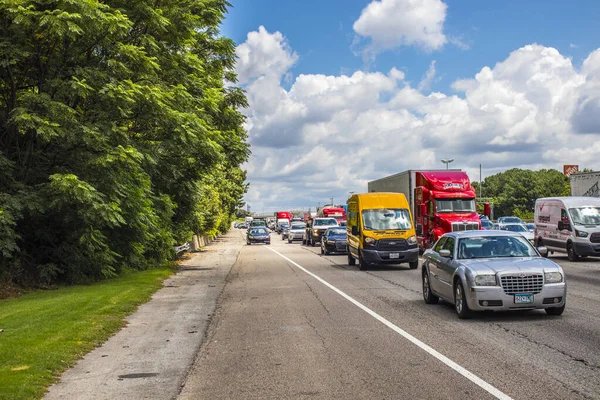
(292, 323)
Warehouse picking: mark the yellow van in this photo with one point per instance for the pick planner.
(380, 230)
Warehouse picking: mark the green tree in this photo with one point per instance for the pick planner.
(118, 137)
(515, 191)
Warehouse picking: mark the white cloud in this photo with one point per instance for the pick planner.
(262, 54)
(328, 135)
(394, 23)
(428, 78)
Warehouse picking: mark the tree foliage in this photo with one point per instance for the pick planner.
(118, 136)
(515, 191)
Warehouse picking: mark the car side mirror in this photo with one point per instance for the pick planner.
(445, 253)
(355, 230)
(419, 229)
(543, 250)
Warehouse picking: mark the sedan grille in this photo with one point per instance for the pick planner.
(595, 237)
(392, 244)
(526, 284)
(340, 245)
(465, 226)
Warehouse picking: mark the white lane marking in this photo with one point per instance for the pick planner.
(464, 372)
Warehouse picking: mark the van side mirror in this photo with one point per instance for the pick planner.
(355, 230)
(423, 209)
(419, 229)
(445, 253)
(308, 225)
(562, 226)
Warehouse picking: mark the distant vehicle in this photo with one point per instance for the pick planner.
(281, 225)
(236, 224)
(243, 225)
(330, 211)
(249, 219)
(494, 271)
(568, 224)
(380, 230)
(486, 224)
(258, 235)
(519, 228)
(257, 223)
(509, 220)
(530, 226)
(334, 241)
(316, 228)
(296, 231)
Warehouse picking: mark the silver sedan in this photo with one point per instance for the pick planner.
(492, 270)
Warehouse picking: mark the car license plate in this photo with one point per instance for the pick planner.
(523, 298)
(394, 255)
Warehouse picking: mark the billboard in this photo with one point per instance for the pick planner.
(570, 169)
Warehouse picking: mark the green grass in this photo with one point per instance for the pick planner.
(46, 332)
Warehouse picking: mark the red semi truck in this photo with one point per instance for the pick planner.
(282, 215)
(332, 212)
(441, 201)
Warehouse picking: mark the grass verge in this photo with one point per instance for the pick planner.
(46, 332)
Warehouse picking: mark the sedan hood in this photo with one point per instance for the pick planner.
(337, 237)
(509, 264)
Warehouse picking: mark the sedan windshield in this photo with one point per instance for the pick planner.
(258, 231)
(585, 215)
(336, 232)
(455, 205)
(495, 247)
(323, 222)
(386, 219)
(296, 227)
(514, 228)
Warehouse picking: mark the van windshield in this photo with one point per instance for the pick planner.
(585, 215)
(386, 219)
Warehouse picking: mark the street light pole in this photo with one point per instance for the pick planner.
(447, 161)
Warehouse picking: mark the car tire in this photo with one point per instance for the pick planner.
(571, 253)
(362, 265)
(312, 242)
(428, 296)
(322, 251)
(460, 301)
(414, 264)
(351, 259)
(248, 243)
(555, 310)
(289, 241)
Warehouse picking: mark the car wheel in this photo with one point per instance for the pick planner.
(248, 243)
(303, 240)
(289, 241)
(414, 264)
(322, 251)
(571, 253)
(428, 296)
(460, 301)
(362, 265)
(351, 259)
(312, 242)
(555, 310)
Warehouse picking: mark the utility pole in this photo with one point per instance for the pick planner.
(331, 200)
(480, 185)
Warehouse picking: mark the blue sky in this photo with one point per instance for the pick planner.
(322, 35)
(338, 91)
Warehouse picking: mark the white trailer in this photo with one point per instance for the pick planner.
(585, 184)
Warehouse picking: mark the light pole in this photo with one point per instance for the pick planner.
(447, 161)
(331, 200)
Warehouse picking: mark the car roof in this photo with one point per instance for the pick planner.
(481, 233)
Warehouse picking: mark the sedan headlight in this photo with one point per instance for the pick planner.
(553, 277)
(581, 233)
(412, 240)
(485, 280)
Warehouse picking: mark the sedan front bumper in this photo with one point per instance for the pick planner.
(497, 300)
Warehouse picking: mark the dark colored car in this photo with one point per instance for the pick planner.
(258, 235)
(486, 224)
(334, 241)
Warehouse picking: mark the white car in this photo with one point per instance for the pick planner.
(519, 228)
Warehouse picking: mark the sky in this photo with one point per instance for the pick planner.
(342, 92)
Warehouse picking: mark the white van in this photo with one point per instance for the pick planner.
(568, 224)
